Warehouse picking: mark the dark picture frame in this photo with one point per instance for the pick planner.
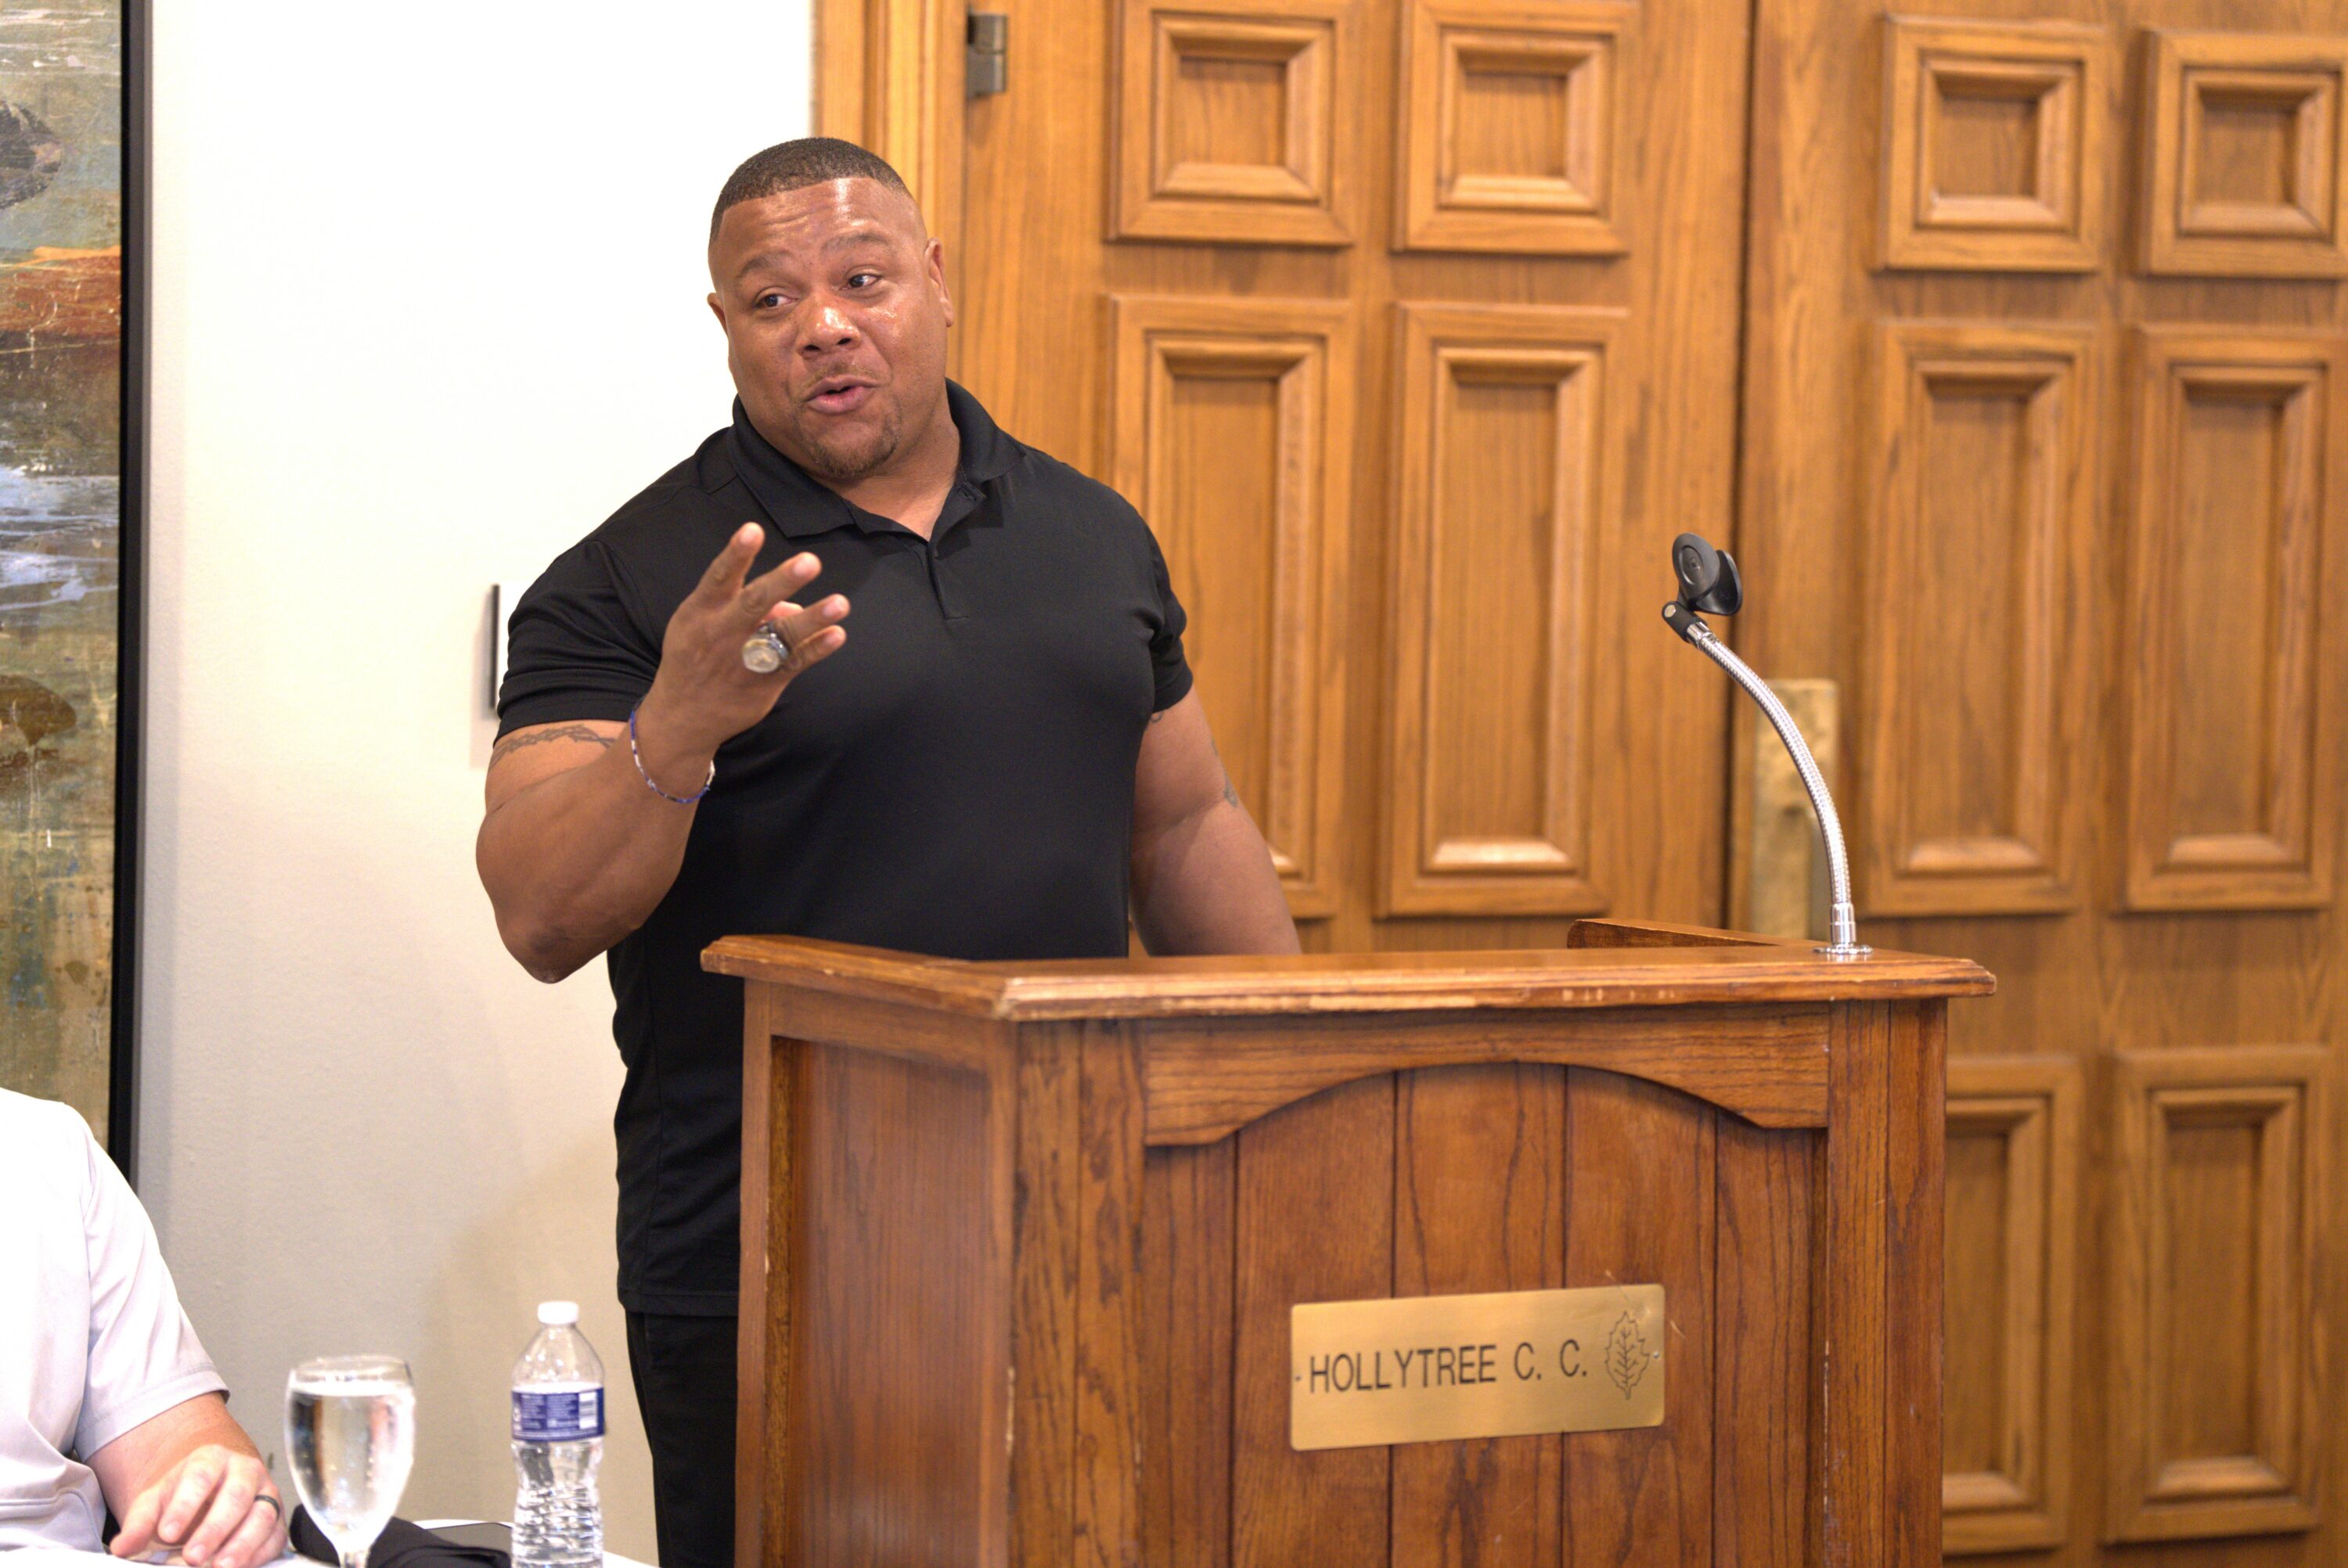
(129, 750)
(74, 324)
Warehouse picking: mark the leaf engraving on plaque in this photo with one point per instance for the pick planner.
(1626, 1354)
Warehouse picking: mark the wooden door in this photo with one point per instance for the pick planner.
(2042, 450)
(2038, 457)
(1409, 326)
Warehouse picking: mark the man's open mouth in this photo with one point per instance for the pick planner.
(839, 395)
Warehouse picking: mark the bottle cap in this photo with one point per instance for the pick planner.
(558, 1314)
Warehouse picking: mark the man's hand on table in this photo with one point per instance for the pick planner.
(189, 1481)
(216, 1509)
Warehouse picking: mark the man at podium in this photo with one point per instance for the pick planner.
(1003, 759)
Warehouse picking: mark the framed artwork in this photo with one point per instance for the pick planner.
(72, 104)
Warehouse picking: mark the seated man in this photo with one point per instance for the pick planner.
(105, 1399)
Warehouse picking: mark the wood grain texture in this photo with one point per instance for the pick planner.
(1111, 1295)
(2014, 1127)
(894, 1438)
(1854, 1441)
(1626, 932)
(1913, 1239)
(1046, 1284)
(1512, 126)
(1189, 1210)
(2100, 977)
(1315, 1223)
(893, 1024)
(1228, 434)
(1640, 1175)
(1203, 1081)
(1983, 460)
(1953, 199)
(1227, 121)
(2213, 1361)
(1037, 344)
(998, 1326)
(2234, 761)
(1326, 983)
(1480, 1205)
(2244, 134)
(763, 1332)
(1765, 1260)
(1492, 802)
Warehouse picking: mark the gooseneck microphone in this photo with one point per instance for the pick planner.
(1708, 581)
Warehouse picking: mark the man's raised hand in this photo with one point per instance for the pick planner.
(702, 695)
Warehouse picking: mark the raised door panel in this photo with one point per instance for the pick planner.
(1984, 520)
(1163, 150)
(1230, 421)
(1994, 146)
(2243, 140)
(2234, 685)
(2217, 1325)
(1230, 121)
(2013, 1133)
(1512, 126)
(1497, 566)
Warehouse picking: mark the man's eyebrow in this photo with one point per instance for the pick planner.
(872, 234)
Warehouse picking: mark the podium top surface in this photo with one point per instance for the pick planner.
(1608, 964)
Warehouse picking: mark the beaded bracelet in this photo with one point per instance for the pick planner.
(639, 756)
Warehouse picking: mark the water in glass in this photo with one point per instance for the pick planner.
(350, 1440)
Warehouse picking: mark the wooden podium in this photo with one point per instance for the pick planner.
(1020, 1244)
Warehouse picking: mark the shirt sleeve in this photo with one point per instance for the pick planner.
(144, 1356)
(574, 650)
(1171, 669)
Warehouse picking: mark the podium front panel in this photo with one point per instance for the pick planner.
(1019, 1290)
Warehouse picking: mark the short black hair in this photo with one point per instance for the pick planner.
(788, 165)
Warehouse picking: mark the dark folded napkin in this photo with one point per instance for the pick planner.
(401, 1546)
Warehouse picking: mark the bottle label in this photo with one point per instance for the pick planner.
(557, 1415)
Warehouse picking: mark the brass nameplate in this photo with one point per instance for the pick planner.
(1429, 1368)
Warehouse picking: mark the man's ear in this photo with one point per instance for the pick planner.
(718, 311)
(936, 258)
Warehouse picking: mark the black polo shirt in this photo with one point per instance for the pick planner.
(957, 780)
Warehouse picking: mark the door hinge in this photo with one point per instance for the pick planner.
(988, 34)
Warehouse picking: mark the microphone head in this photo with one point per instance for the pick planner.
(1708, 580)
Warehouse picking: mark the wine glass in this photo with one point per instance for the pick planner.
(350, 1439)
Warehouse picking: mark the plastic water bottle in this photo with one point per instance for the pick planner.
(557, 1445)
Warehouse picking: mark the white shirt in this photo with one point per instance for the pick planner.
(92, 1338)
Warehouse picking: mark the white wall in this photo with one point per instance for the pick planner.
(428, 305)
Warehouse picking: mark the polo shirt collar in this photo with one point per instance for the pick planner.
(802, 506)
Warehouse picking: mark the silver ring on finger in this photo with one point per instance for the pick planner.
(767, 652)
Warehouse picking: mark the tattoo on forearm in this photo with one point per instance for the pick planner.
(1231, 795)
(560, 733)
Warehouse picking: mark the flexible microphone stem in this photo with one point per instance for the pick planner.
(1844, 928)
